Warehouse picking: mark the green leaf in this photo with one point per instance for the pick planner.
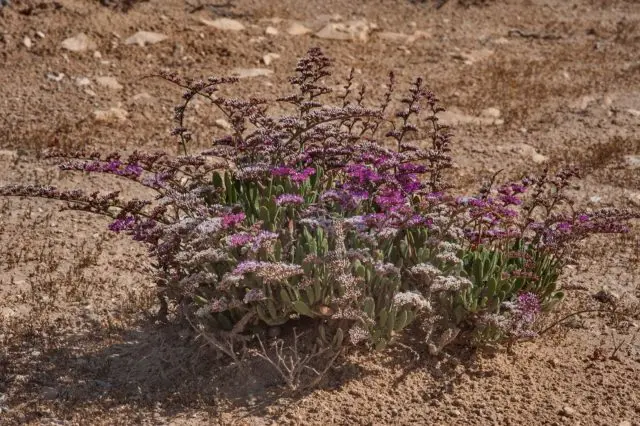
(277, 251)
(284, 296)
(368, 307)
(302, 308)
(216, 180)
(401, 320)
(338, 338)
(311, 296)
(264, 215)
(271, 307)
(200, 300)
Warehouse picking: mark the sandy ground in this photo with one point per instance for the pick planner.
(525, 82)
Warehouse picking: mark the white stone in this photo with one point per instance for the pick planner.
(224, 24)
(567, 411)
(223, 124)
(393, 37)
(251, 72)
(491, 113)
(82, 81)
(40, 34)
(97, 55)
(272, 31)
(453, 117)
(269, 58)
(11, 154)
(524, 150)
(296, 29)
(350, 30)
(471, 58)
(110, 115)
(26, 41)
(633, 161)
(79, 43)
(55, 76)
(109, 82)
(142, 98)
(142, 38)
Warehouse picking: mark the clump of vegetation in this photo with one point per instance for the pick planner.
(342, 215)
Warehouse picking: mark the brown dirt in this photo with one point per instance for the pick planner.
(78, 345)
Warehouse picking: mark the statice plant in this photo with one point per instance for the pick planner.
(341, 214)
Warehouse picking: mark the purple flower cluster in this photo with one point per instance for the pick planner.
(122, 224)
(289, 199)
(293, 174)
(528, 307)
(116, 167)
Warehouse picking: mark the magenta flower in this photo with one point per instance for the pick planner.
(231, 220)
(282, 171)
(303, 175)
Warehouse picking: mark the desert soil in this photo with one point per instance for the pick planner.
(527, 83)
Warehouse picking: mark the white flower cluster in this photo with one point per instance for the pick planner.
(358, 334)
(413, 298)
(426, 271)
(449, 283)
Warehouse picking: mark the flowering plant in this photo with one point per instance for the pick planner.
(340, 214)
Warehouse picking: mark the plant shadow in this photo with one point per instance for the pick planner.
(147, 367)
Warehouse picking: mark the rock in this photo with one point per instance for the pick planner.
(296, 29)
(567, 411)
(223, 124)
(583, 103)
(79, 43)
(272, 31)
(82, 81)
(453, 116)
(625, 423)
(634, 198)
(26, 41)
(141, 98)
(632, 161)
(472, 57)
(97, 55)
(350, 30)
(491, 113)
(393, 37)
(90, 92)
(111, 114)
(142, 38)
(224, 24)
(595, 199)
(55, 76)
(526, 151)
(40, 34)
(634, 112)
(269, 57)
(402, 37)
(109, 82)
(251, 72)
